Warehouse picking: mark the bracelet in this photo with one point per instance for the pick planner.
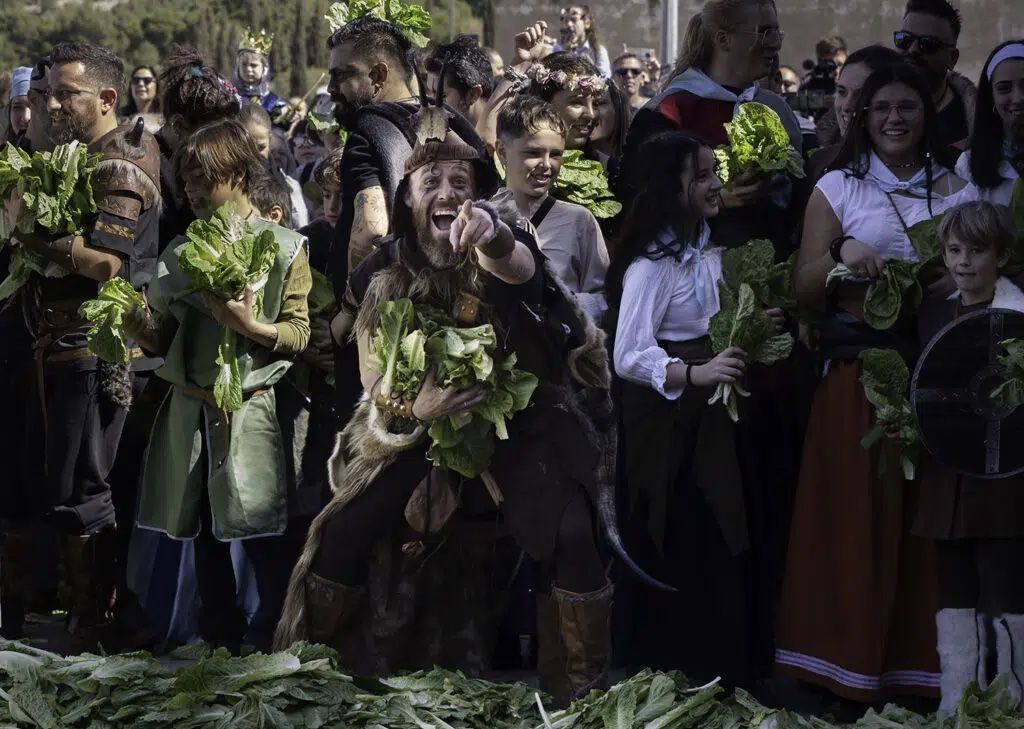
(835, 248)
(689, 380)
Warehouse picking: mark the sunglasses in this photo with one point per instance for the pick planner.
(628, 72)
(144, 80)
(927, 44)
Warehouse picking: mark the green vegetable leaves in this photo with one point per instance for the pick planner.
(322, 303)
(886, 381)
(56, 194)
(222, 257)
(106, 337)
(758, 143)
(751, 282)
(409, 342)
(583, 181)
(412, 19)
(1011, 392)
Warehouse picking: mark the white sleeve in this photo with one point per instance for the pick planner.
(604, 65)
(646, 291)
(593, 255)
(833, 187)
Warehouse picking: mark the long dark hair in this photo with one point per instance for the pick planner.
(988, 136)
(622, 118)
(856, 145)
(657, 204)
(193, 93)
(130, 106)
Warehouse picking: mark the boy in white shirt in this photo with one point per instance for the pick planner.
(531, 140)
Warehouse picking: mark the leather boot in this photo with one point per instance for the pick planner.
(960, 651)
(1010, 652)
(330, 607)
(551, 653)
(585, 622)
(90, 595)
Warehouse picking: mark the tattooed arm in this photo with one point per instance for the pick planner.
(369, 222)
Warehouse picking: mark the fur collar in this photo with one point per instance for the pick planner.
(1007, 296)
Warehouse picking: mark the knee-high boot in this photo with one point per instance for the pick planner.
(1010, 652)
(962, 650)
(585, 627)
(551, 653)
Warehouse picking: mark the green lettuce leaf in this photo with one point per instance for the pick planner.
(583, 182)
(413, 20)
(886, 381)
(1011, 391)
(758, 143)
(106, 337)
(322, 303)
(898, 287)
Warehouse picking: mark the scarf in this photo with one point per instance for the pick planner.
(694, 258)
(700, 84)
(917, 185)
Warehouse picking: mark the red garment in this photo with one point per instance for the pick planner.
(703, 118)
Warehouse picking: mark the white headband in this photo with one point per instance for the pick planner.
(1014, 50)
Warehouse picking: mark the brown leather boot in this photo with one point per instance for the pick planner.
(551, 653)
(585, 622)
(330, 607)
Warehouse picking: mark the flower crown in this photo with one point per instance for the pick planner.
(565, 81)
(260, 42)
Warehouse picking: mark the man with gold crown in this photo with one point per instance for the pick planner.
(384, 559)
(252, 72)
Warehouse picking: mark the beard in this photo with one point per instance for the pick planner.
(438, 253)
(67, 126)
(345, 110)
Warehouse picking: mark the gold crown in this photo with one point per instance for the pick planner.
(260, 42)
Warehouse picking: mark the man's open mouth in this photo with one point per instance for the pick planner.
(443, 219)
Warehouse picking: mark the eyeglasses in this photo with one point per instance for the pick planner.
(927, 44)
(63, 96)
(772, 34)
(905, 109)
(628, 72)
(144, 80)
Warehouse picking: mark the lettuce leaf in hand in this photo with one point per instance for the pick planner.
(222, 257)
(107, 338)
(758, 143)
(898, 290)
(411, 341)
(886, 381)
(744, 323)
(412, 19)
(754, 264)
(1011, 392)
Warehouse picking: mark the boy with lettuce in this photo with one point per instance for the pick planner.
(215, 468)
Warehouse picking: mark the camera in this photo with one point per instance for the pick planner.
(821, 76)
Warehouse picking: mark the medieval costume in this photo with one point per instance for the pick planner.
(859, 591)
(83, 402)
(214, 478)
(571, 239)
(383, 617)
(258, 92)
(978, 528)
(688, 477)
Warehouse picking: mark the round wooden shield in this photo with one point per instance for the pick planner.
(960, 423)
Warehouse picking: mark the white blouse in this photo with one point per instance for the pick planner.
(865, 212)
(666, 299)
(999, 195)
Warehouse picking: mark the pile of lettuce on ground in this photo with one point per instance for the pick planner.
(303, 688)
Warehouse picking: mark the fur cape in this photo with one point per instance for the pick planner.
(366, 445)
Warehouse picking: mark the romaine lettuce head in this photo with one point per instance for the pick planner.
(106, 337)
(758, 142)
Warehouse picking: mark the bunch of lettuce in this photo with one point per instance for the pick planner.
(886, 382)
(742, 322)
(583, 181)
(892, 293)
(1011, 392)
(751, 283)
(412, 19)
(107, 338)
(223, 256)
(322, 303)
(411, 341)
(758, 143)
(56, 193)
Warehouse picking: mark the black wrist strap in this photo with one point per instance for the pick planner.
(835, 248)
(689, 380)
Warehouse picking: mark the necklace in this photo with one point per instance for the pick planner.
(904, 166)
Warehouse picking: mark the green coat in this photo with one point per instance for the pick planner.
(239, 459)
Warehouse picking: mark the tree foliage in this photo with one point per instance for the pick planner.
(143, 31)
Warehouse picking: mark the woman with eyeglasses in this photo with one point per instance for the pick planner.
(860, 593)
(143, 99)
(996, 157)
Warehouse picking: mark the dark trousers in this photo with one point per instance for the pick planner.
(981, 573)
(81, 433)
(220, 619)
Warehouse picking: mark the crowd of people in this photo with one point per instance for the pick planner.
(625, 518)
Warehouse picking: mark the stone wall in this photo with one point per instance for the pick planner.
(637, 24)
